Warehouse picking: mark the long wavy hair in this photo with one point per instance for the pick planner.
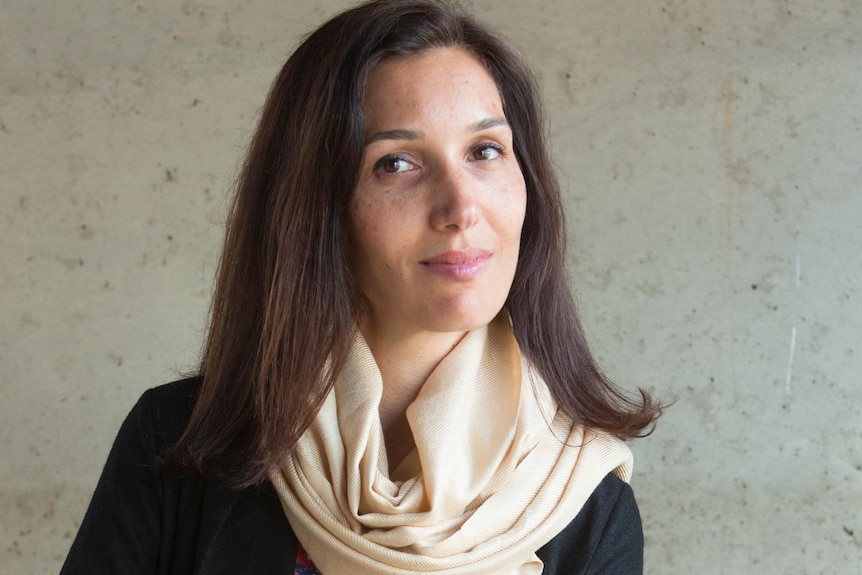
(285, 303)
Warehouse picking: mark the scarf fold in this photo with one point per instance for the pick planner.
(496, 472)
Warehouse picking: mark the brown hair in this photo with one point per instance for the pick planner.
(285, 303)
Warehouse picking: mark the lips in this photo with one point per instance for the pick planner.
(459, 264)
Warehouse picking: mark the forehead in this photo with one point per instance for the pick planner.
(439, 80)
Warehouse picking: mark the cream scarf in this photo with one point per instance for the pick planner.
(494, 476)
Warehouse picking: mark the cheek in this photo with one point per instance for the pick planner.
(366, 219)
(516, 208)
(358, 234)
(376, 238)
(385, 222)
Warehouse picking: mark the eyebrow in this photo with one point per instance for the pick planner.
(488, 123)
(394, 135)
(400, 134)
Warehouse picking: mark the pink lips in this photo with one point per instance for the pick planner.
(459, 265)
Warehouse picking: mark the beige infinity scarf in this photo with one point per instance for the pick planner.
(494, 476)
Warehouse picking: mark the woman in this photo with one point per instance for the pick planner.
(395, 379)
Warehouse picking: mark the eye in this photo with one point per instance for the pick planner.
(486, 152)
(393, 165)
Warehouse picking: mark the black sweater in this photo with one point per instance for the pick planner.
(144, 521)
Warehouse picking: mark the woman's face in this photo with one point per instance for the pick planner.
(437, 212)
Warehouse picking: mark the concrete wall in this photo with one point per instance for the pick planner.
(711, 156)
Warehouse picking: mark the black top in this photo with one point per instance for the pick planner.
(145, 521)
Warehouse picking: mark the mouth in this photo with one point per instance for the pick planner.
(459, 264)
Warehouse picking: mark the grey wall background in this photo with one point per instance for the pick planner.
(710, 153)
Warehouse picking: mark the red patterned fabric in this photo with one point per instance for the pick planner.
(304, 565)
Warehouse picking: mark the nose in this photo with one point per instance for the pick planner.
(455, 206)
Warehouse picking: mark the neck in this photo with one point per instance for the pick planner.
(405, 361)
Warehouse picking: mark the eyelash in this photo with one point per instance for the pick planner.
(380, 165)
(496, 147)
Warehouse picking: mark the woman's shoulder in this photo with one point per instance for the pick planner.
(177, 396)
(606, 533)
(162, 413)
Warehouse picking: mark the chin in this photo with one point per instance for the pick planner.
(459, 317)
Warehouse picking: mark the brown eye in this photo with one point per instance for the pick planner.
(487, 152)
(393, 165)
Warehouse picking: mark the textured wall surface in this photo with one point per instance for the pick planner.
(711, 153)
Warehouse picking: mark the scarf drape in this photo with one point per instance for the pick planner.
(496, 472)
